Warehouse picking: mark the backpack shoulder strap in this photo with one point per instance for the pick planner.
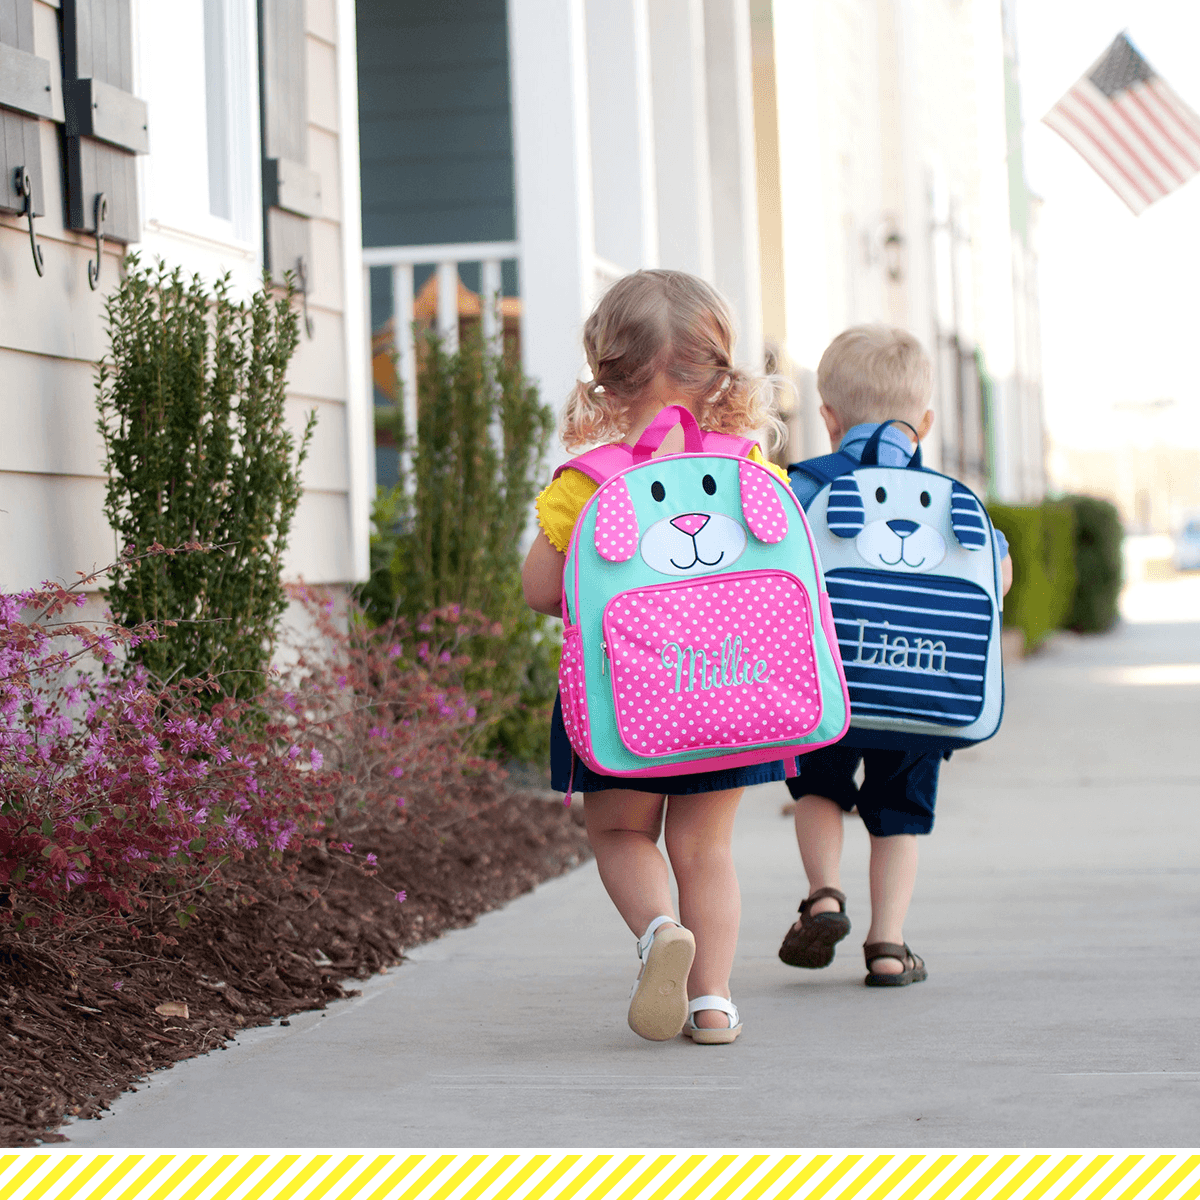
(728, 443)
(600, 464)
(827, 468)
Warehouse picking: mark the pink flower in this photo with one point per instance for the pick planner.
(371, 860)
(444, 657)
(396, 772)
(315, 758)
(401, 897)
(400, 802)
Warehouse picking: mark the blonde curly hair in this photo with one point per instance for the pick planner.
(671, 323)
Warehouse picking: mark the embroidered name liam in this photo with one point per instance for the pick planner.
(896, 652)
(731, 671)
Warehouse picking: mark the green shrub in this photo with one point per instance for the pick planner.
(191, 409)
(452, 530)
(1041, 542)
(1058, 532)
(1098, 566)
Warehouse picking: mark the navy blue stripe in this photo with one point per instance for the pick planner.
(925, 715)
(920, 591)
(925, 607)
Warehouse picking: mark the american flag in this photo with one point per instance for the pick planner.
(1142, 140)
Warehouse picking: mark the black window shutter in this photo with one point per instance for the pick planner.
(291, 192)
(24, 96)
(106, 124)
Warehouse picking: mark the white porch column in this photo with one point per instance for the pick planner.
(360, 420)
(684, 189)
(734, 185)
(803, 190)
(551, 144)
(622, 132)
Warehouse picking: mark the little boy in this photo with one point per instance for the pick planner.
(868, 375)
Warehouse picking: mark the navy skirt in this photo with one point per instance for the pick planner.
(587, 780)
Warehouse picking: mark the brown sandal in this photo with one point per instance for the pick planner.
(810, 941)
(914, 967)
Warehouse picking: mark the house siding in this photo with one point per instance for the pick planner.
(435, 122)
(51, 335)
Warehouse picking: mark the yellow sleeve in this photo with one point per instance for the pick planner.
(756, 455)
(559, 505)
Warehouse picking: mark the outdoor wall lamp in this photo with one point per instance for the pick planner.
(893, 252)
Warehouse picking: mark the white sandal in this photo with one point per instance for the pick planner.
(658, 1005)
(712, 1037)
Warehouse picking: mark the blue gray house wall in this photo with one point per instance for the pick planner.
(435, 128)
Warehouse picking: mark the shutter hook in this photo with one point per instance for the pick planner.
(25, 188)
(302, 278)
(101, 210)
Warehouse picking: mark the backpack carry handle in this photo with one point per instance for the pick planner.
(870, 454)
(675, 414)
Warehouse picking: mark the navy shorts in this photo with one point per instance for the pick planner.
(587, 780)
(898, 792)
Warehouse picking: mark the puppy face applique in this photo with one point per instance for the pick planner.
(680, 521)
(899, 521)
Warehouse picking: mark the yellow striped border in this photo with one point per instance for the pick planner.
(588, 1175)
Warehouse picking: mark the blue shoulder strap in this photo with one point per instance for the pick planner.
(827, 468)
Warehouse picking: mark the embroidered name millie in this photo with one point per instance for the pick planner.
(729, 671)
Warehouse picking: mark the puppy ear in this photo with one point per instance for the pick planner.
(761, 506)
(966, 520)
(616, 534)
(845, 514)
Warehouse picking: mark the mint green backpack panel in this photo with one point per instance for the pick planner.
(653, 499)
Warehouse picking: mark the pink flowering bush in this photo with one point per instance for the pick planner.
(388, 708)
(119, 791)
(108, 778)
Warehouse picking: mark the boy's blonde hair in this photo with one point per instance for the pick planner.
(873, 373)
(667, 322)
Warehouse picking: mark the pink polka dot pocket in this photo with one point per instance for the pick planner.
(727, 666)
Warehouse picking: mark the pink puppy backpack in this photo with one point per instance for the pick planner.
(698, 631)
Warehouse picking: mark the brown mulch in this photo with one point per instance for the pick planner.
(81, 1022)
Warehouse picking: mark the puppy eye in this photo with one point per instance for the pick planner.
(880, 495)
(924, 499)
(658, 491)
(710, 484)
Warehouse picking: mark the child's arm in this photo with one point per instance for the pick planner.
(1006, 573)
(542, 577)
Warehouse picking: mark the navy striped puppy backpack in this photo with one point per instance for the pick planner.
(914, 581)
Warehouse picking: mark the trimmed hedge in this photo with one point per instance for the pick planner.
(1066, 566)
(1098, 564)
(1042, 544)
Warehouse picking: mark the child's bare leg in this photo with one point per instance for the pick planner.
(699, 836)
(623, 828)
(819, 834)
(893, 874)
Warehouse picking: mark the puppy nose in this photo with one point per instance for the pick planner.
(902, 528)
(691, 523)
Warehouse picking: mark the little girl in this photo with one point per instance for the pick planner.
(657, 338)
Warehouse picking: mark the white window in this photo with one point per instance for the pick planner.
(198, 72)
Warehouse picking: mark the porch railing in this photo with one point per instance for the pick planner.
(446, 261)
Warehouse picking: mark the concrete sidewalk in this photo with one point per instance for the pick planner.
(1056, 908)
